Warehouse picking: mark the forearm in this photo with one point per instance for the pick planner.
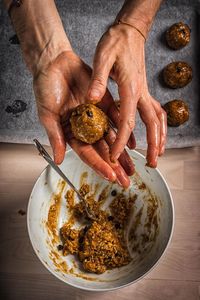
(139, 13)
(40, 32)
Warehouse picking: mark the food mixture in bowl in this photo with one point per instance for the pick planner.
(143, 211)
(100, 244)
(122, 235)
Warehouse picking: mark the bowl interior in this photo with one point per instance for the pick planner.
(146, 183)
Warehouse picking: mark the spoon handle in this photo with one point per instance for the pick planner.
(50, 161)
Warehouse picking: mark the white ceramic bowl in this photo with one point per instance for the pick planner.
(41, 199)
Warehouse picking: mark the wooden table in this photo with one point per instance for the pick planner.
(23, 277)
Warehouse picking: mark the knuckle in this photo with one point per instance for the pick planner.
(131, 123)
(128, 124)
(94, 165)
(99, 80)
(121, 144)
(153, 145)
(102, 56)
(111, 31)
(151, 121)
(159, 110)
(154, 122)
(83, 152)
(163, 140)
(112, 138)
(158, 106)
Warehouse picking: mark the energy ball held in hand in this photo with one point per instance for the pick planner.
(88, 123)
(177, 74)
(178, 35)
(177, 112)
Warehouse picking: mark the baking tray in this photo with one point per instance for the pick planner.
(85, 21)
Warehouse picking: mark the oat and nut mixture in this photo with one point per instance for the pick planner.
(88, 123)
(99, 245)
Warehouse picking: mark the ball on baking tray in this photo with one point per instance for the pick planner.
(177, 112)
(177, 74)
(178, 35)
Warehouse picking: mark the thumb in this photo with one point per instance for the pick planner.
(100, 74)
(56, 137)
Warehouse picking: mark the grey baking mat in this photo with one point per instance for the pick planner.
(85, 21)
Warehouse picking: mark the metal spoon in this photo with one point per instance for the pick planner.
(50, 161)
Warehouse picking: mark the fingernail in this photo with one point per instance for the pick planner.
(111, 178)
(94, 94)
(57, 159)
(131, 170)
(115, 157)
(131, 142)
(117, 180)
(151, 165)
(131, 145)
(125, 183)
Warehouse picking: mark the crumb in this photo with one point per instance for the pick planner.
(21, 212)
(60, 247)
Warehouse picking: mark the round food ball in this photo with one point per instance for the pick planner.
(177, 74)
(88, 123)
(178, 35)
(177, 112)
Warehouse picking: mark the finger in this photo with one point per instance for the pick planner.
(101, 69)
(131, 142)
(127, 120)
(162, 116)
(89, 155)
(152, 124)
(103, 149)
(124, 159)
(55, 135)
(109, 106)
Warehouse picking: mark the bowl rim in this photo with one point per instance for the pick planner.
(112, 288)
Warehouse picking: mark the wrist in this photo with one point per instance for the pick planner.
(139, 13)
(42, 46)
(136, 22)
(129, 34)
(132, 26)
(40, 32)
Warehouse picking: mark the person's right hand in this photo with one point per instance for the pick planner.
(61, 86)
(120, 55)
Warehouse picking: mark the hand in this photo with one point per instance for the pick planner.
(58, 89)
(120, 55)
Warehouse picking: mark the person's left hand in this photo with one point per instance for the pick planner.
(59, 88)
(120, 55)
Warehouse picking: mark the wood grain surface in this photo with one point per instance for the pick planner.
(22, 276)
